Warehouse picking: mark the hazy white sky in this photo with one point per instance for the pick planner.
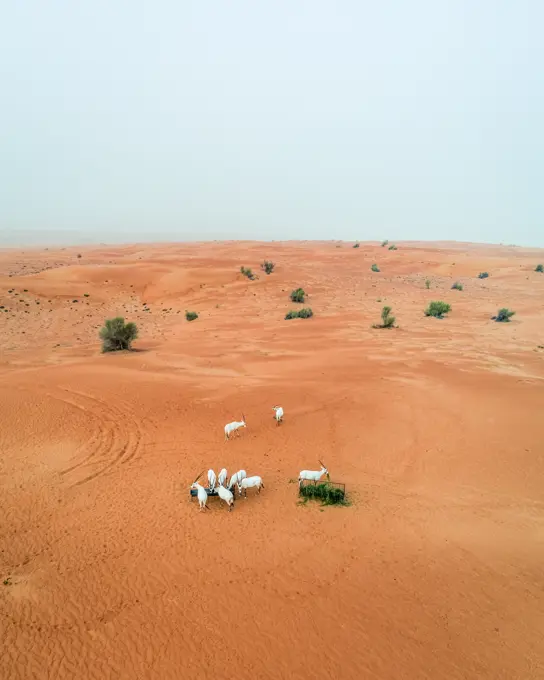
(408, 119)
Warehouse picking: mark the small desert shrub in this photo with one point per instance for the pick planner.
(191, 316)
(384, 243)
(539, 268)
(297, 295)
(356, 244)
(427, 283)
(375, 268)
(78, 255)
(117, 335)
(304, 313)
(328, 494)
(268, 267)
(85, 294)
(388, 321)
(392, 247)
(483, 275)
(504, 314)
(247, 272)
(457, 286)
(437, 309)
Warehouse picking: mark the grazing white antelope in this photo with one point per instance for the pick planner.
(225, 495)
(279, 414)
(202, 494)
(249, 483)
(312, 475)
(234, 426)
(222, 477)
(211, 479)
(237, 478)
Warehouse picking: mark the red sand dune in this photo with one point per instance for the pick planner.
(434, 571)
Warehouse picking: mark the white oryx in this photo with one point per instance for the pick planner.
(249, 483)
(312, 475)
(279, 414)
(234, 426)
(222, 477)
(237, 478)
(211, 479)
(225, 495)
(202, 494)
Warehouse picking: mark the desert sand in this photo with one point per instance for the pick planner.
(436, 568)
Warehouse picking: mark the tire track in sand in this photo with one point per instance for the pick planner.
(116, 434)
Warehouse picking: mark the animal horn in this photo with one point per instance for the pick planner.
(322, 465)
(243, 418)
(199, 476)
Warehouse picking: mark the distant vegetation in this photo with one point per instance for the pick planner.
(304, 313)
(117, 335)
(297, 295)
(384, 243)
(457, 286)
(427, 283)
(437, 309)
(268, 267)
(356, 244)
(375, 268)
(503, 314)
(393, 247)
(191, 316)
(388, 321)
(539, 268)
(483, 275)
(247, 272)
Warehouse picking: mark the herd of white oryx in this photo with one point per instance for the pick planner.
(240, 478)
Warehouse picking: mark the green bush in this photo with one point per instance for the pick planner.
(297, 295)
(457, 286)
(427, 283)
(304, 313)
(356, 244)
(392, 247)
(325, 492)
(388, 321)
(384, 243)
(375, 268)
(117, 335)
(191, 316)
(504, 314)
(268, 267)
(247, 272)
(539, 268)
(483, 275)
(437, 309)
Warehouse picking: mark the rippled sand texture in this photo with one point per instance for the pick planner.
(434, 571)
